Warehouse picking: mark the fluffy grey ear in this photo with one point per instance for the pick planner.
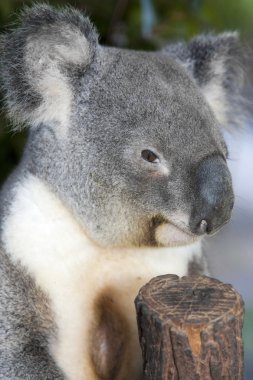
(214, 63)
(41, 60)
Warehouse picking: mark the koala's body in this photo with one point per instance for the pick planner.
(123, 174)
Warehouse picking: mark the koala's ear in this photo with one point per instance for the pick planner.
(214, 62)
(41, 62)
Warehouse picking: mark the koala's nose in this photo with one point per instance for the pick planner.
(214, 198)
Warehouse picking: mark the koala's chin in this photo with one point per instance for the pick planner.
(169, 235)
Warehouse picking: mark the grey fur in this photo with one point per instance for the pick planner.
(122, 102)
(46, 28)
(198, 266)
(26, 324)
(198, 56)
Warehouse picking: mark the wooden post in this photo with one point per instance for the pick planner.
(190, 329)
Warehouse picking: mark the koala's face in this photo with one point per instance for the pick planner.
(130, 141)
(152, 139)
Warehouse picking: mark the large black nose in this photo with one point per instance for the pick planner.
(214, 198)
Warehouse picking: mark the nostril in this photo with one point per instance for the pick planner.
(202, 226)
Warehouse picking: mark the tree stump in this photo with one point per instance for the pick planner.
(190, 329)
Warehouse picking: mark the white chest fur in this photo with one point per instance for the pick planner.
(44, 236)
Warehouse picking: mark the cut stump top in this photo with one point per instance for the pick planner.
(197, 300)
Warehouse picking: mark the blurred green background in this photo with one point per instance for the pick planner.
(147, 24)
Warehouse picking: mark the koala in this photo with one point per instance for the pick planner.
(123, 175)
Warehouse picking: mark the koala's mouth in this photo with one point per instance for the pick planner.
(171, 234)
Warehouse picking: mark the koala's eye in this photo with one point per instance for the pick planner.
(149, 156)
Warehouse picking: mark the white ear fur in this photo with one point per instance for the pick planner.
(41, 61)
(222, 89)
(52, 82)
(215, 93)
(214, 63)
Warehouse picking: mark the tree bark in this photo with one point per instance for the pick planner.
(190, 329)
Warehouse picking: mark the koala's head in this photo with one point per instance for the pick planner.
(130, 141)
